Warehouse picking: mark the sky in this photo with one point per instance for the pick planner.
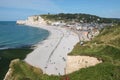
(12, 10)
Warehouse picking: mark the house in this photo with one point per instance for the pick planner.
(58, 23)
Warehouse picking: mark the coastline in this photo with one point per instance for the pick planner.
(51, 54)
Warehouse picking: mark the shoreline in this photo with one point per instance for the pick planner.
(51, 54)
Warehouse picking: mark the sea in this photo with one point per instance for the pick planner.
(13, 35)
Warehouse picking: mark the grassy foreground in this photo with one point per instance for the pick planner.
(105, 47)
(23, 71)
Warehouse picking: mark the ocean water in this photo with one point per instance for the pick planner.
(16, 36)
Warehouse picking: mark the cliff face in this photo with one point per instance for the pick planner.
(10, 71)
(32, 20)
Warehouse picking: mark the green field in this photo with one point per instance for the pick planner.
(106, 47)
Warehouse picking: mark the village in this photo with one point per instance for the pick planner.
(85, 31)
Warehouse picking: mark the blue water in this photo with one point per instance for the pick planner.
(15, 36)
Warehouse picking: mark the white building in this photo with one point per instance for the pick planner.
(58, 23)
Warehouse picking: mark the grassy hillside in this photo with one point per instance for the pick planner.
(106, 46)
(23, 71)
(104, 71)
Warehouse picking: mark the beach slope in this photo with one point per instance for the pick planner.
(51, 54)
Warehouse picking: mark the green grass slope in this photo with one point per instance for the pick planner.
(20, 70)
(104, 71)
(106, 47)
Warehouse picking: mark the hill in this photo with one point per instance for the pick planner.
(78, 17)
(106, 48)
